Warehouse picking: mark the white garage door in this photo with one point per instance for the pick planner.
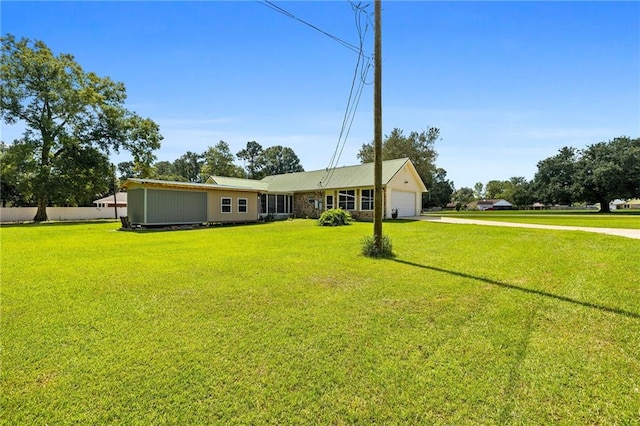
(405, 202)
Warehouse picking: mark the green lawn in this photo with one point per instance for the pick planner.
(627, 219)
(286, 323)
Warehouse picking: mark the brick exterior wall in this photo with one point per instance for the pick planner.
(365, 216)
(302, 208)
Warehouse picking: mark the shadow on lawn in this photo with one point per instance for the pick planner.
(523, 289)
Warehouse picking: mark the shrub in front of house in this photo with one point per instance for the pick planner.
(369, 248)
(334, 217)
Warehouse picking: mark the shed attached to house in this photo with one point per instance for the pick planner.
(159, 203)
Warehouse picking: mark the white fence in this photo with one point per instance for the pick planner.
(26, 214)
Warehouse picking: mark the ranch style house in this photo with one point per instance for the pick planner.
(303, 195)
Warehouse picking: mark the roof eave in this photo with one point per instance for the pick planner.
(186, 185)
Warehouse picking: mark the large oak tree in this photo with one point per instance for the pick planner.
(599, 173)
(608, 170)
(554, 180)
(67, 114)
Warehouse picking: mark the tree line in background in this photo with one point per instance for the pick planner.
(218, 160)
(599, 173)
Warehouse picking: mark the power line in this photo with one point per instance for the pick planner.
(363, 65)
(355, 94)
(279, 9)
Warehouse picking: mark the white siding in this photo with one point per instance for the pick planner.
(405, 193)
(405, 202)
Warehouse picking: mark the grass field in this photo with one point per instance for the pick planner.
(628, 219)
(286, 323)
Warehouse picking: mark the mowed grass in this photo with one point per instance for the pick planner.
(286, 323)
(628, 219)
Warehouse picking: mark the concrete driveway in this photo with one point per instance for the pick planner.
(627, 233)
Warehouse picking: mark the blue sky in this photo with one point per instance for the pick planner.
(507, 83)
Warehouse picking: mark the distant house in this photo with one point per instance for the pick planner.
(109, 201)
(494, 205)
(631, 204)
(303, 194)
(537, 206)
(616, 204)
(619, 204)
(450, 206)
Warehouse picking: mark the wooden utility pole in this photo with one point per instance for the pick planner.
(377, 130)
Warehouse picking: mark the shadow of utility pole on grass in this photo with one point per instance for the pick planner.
(524, 289)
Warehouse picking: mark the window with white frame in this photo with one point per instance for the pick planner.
(347, 199)
(329, 202)
(226, 205)
(367, 199)
(242, 205)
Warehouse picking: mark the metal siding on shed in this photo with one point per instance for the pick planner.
(169, 206)
(135, 205)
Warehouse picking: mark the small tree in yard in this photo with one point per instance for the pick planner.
(70, 116)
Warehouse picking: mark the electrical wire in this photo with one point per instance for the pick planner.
(279, 9)
(353, 101)
(363, 65)
(351, 107)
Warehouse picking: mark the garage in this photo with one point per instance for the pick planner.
(405, 202)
